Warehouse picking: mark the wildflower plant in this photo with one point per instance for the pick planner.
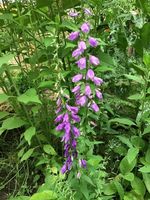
(85, 93)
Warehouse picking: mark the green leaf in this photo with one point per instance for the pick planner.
(29, 133)
(138, 186)
(146, 130)
(147, 156)
(124, 121)
(145, 169)
(119, 188)
(3, 114)
(70, 25)
(6, 58)
(12, 123)
(27, 154)
(45, 195)
(87, 179)
(3, 98)
(135, 97)
(125, 166)
(132, 154)
(30, 96)
(135, 78)
(125, 140)
(146, 59)
(109, 189)
(46, 84)
(128, 177)
(146, 178)
(49, 149)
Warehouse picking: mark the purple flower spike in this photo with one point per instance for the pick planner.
(98, 81)
(82, 101)
(94, 60)
(94, 107)
(76, 89)
(59, 118)
(90, 74)
(85, 27)
(87, 11)
(82, 163)
(81, 63)
(60, 127)
(88, 91)
(76, 118)
(76, 131)
(99, 94)
(76, 53)
(93, 42)
(64, 169)
(73, 35)
(82, 45)
(77, 78)
(58, 110)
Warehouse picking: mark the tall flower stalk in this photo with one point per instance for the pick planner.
(86, 93)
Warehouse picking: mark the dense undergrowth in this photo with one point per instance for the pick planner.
(36, 66)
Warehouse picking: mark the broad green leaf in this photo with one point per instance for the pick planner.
(87, 179)
(147, 156)
(29, 133)
(119, 189)
(70, 25)
(3, 114)
(49, 149)
(45, 195)
(146, 130)
(138, 186)
(145, 169)
(128, 177)
(27, 154)
(146, 59)
(109, 189)
(135, 78)
(84, 190)
(46, 84)
(125, 166)
(135, 97)
(3, 98)
(124, 121)
(5, 59)
(30, 96)
(146, 178)
(94, 160)
(125, 140)
(138, 142)
(12, 123)
(132, 154)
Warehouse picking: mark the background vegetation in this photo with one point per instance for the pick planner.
(35, 65)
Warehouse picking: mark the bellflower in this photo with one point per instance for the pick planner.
(76, 53)
(59, 118)
(73, 35)
(73, 14)
(77, 78)
(64, 169)
(76, 131)
(60, 127)
(82, 46)
(85, 28)
(94, 60)
(82, 163)
(72, 109)
(94, 107)
(99, 94)
(88, 90)
(93, 42)
(87, 11)
(76, 118)
(82, 100)
(90, 74)
(81, 63)
(66, 118)
(76, 89)
(98, 81)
